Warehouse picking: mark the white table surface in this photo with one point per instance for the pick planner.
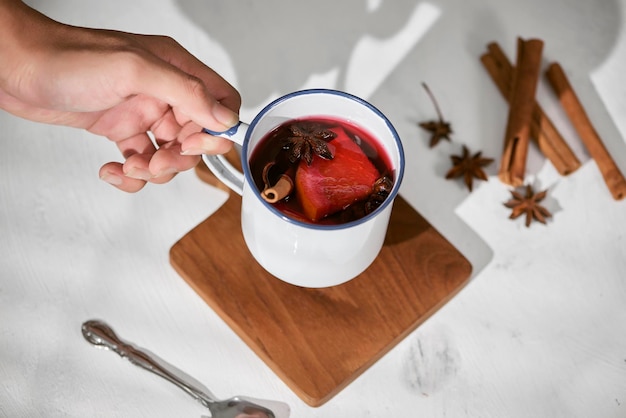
(540, 330)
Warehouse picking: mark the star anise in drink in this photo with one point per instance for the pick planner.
(380, 191)
(469, 167)
(308, 139)
(440, 129)
(528, 204)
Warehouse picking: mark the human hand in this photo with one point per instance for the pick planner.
(119, 85)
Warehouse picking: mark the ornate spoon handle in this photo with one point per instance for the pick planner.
(102, 335)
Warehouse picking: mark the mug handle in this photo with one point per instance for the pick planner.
(219, 165)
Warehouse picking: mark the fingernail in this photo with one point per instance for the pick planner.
(166, 172)
(225, 116)
(139, 174)
(193, 151)
(207, 145)
(112, 179)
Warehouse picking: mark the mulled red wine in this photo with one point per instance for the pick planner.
(322, 170)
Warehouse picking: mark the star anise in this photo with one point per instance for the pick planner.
(308, 139)
(469, 167)
(440, 129)
(380, 191)
(528, 204)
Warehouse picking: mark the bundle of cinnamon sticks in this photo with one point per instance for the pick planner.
(527, 121)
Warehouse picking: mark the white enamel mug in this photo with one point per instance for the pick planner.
(300, 253)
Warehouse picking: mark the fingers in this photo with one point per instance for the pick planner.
(200, 143)
(140, 169)
(179, 149)
(184, 92)
(171, 51)
(144, 163)
(113, 174)
(137, 166)
(196, 97)
(189, 136)
(168, 160)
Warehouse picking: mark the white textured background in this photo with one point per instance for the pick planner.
(538, 332)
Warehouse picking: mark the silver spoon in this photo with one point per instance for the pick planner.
(102, 335)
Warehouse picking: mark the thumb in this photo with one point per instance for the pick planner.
(185, 93)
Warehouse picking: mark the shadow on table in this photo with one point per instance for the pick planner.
(276, 46)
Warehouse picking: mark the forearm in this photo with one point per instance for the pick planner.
(19, 26)
(32, 47)
(11, 13)
(19, 23)
(22, 34)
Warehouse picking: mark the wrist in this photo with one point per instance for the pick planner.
(24, 34)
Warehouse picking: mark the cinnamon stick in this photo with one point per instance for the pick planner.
(282, 188)
(522, 99)
(613, 178)
(279, 191)
(542, 130)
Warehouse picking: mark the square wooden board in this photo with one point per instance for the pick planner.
(319, 340)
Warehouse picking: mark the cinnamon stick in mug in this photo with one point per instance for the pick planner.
(613, 178)
(542, 130)
(521, 102)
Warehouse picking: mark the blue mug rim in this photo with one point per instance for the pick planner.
(399, 174)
